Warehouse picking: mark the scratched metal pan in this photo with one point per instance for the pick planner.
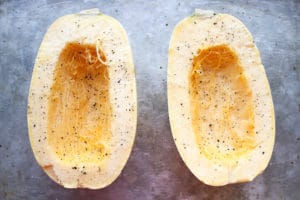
(155, 169)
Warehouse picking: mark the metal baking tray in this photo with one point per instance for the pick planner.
(155, 169)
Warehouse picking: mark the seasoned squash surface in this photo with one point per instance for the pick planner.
(82, 109)
(221, 104)
(79, 114)
(219, 100)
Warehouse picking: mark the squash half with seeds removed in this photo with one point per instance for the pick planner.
(82, 101)
(220, 104)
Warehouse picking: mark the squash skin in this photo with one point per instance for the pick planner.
(87, 27)
(203, 30)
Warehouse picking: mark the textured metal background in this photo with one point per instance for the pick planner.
(155, 169)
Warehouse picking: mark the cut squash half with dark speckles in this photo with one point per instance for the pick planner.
(82, 101)
(220, 103)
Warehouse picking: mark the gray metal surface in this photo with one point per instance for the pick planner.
(155, 169)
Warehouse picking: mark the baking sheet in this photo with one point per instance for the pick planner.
(155, 169)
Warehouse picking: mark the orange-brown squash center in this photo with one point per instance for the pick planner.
(79, 113)
(221, 104)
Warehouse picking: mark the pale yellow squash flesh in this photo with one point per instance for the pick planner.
(220, 104)
(218, 86)
(82, 101)
(79, 113)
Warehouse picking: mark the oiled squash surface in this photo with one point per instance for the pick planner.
(221, 104)
(79, 114)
